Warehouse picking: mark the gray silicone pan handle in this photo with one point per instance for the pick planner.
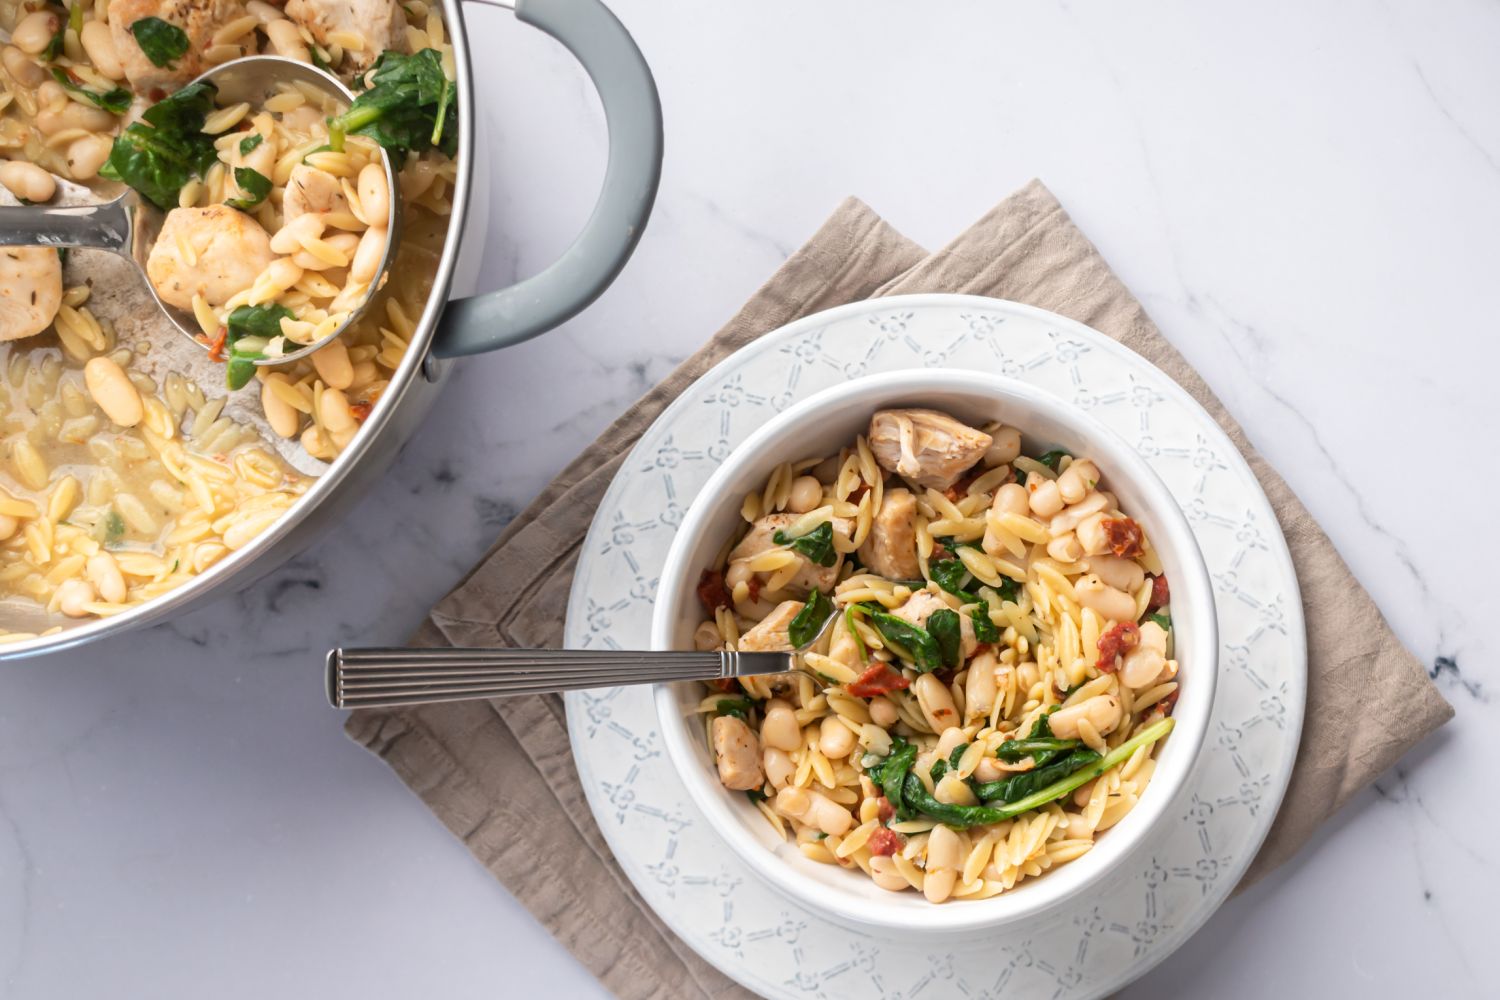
(632, 112)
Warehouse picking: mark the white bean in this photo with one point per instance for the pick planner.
(86, 154)
(335, 412)
(1077, 479)
(8, 526)
(835, 739)
(806, 495)
(74, 115)
(779, 728)
(72, 595)
(1076, 513)
(1005, 447)
(281, 415)
(1102, 711)
(980, 687)
(884, 874)
(1046, 499)
(943, 848)
(1142, 666)
(1010, 499)
(375, 195)
(936, 702)
(1092, 536)
(778, 766)
(22, 67)
(1065, 548)
(1111, 604)
(35, 31)
(104, 573)
(814, 809)
(27, 181)
(99, 45)
(1153, 636)
(112, 389)
(368, 254)
(332, 362)
(1118, 572)
(883, 712)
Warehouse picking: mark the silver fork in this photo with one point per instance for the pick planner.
(381, 677)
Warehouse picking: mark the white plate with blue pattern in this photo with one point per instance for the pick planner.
(1090, 946)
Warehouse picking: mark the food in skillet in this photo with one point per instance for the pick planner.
(121, 478)
(987, 656)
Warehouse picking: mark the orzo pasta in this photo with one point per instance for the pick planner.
(986, 645)
(125, 469)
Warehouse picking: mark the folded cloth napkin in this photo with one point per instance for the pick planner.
(500, 774)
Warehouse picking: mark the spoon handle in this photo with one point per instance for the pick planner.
(375, 678)
(110, 226)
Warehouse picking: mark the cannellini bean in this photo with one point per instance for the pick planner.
(738, 572)
(989, 769)
(1075, 514)
(835, 739)
(778, 766)
(1142, 666)
(86, 154)
(1011, 499)
(72, 595)
(8, 526)
(22, 67)
(368, 254)
(281, 415)
(806, 494)
(737, 753)
(35, 31)
(779, 728)
(27, 181)
(814, 809)
(1005, 446)
(1084, 793)
(374, 195)
(943, 859)
(1046, 499)
(1110, 603)
(1077, 479)
(883, 712)
(1102, 711)
(334, 410)
(948, 741)
(1065, 548)
(1153, 636)
(104, 573)
(706, 637)
(99, 45)
(74, 115)
(1119, 573)
(884, 874)
(1091, 535)
(112, 389)
(936, 702)
(290, 237)
(980, 686)
(332, 362)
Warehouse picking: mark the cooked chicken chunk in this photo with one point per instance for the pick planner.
(30, 290)
(770, 633)
(228, 251)
(891, 548)
(379, 24)
(927, 447)
(737, 750)
(198, 19)
(312, 190)
(843, 647)
(920, 606)
(811, 576)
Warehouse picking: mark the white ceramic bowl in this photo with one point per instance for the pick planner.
(820, 425)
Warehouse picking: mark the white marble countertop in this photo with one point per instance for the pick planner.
(1305, 197)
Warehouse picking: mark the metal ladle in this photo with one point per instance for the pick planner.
(130, 224)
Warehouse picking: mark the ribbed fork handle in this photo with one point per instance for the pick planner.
(381, 677)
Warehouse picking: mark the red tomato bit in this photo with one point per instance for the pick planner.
(216, 348)
(1161, 594)
(881, 678)
(711, 592)
(1115, 643)
(884, 810)
(1124, 536)
(885, 842)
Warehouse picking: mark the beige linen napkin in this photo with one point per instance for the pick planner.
(500, 775)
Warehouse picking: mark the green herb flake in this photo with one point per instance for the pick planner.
(1163, 619)
(162, 42)
(114, 528)
(755, 795)
(247, 145)
(816, 545)
(737, 707)
(1054, 458)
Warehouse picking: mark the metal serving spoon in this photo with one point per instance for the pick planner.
(130, 224)
(380, 677)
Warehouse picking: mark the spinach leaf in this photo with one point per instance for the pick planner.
(937, 770)
(247, 146)
(256, 186)
(946, 630)
(1024, 783)
(166, 148)
(1088, 772)
(755, 795)
(810, 620)
(1040, 745)
(737, 707)
(891, 773)
(957, 755)
(161, 42)
(248, 331)
(114, 528)
(915, 643)
(1163, 619)
(951, 575)
(984, 629)
(816, 545)
(1054, 458)
(1009, 590)
(917, 797)
(116, 101)
(408, 106)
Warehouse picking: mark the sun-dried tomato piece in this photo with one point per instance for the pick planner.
(1124, 536)
(753, 585)
(711, 592)
(1161, 594)
(880, 678)
(1115, 643)
(1170, 702)
(884, 842)
(884, 810)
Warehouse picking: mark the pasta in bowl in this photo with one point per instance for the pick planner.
(1001, 690)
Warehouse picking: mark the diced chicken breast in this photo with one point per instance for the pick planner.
(312, 190)
(30, 290)
(198, 19)
(842, 645)
(810, 576)
(927, 447)
(920, 606)
(737, 751)
(227, 250)
(770, 633)
(891, 548)
(375, 25)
